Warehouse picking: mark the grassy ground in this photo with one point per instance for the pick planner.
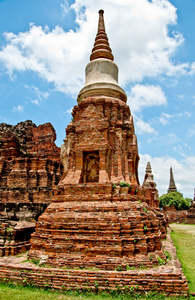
(183, 236)
(184, 239)
(10, 292)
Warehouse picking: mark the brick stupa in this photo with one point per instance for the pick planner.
(89, 224)
(152, 197)
(172, 187)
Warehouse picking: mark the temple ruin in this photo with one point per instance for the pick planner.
(101, 229)
(172, 187)
(88, 224)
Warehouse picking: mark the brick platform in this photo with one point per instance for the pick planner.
(168, 279)
(93, 229)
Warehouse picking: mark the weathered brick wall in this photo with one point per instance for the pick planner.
(103, 125)
(175, 216)
(191, 213)
(14, 236)
(28, 140)
(30, 165)
(28, 179)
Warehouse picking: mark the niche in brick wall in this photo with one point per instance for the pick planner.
(91, 166)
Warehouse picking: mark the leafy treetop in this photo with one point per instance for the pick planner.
(175, 199)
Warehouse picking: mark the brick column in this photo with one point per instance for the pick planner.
(103, 175)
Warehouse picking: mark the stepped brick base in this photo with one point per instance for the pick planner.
(168, 279)
(98, 230)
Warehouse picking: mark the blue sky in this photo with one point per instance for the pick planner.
(45, 46)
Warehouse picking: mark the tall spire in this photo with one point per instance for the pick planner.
(101, 73)
(172, 186)
(101, 47)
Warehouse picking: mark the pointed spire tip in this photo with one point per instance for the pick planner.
(101, 47)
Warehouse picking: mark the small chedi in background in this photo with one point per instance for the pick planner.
(174, 206)
(172, 186)
(152, 197)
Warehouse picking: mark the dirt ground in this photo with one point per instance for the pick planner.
(187, 228)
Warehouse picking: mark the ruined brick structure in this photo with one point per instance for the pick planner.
(88, 224)
(100, 216)
(191, 212)
(14, 236)
(30, 164)
(172, 187)
(151, 194)
(30, 168)
(175, 216)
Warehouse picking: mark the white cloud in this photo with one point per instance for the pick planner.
(4, 120)
(19, 108)
(142, 96)
(191, 131)
(137, 32)
(182, 171)
(143, 127)
(68, 111)
(54, 55)
(182, 148)
(187, 114)
(165, 118)
(64, 6)
(40, 95)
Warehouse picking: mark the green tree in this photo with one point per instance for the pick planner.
(175, 199)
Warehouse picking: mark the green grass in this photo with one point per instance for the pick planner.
(184, 239)
(13, 292)
(183, 236)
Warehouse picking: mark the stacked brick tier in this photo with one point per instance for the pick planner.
(168, 279)
(28, 179)
(98, 230)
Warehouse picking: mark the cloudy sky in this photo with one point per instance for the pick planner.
(45, 46)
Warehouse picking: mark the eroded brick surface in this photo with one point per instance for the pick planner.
(103, 126)
(88, 224)
(14, 236)
(175, 216)
(167, 279)
(29, 163)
